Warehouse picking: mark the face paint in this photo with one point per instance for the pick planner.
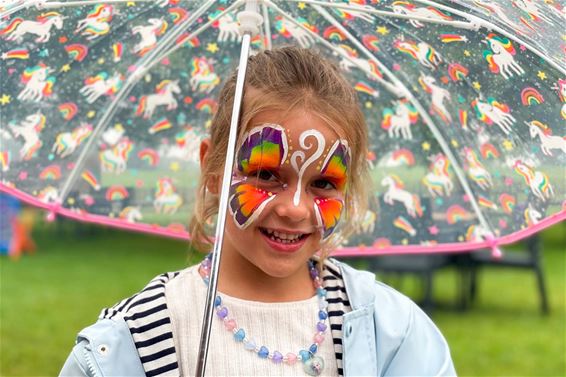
(328, 212)
(298, 157)
(335, 165)
(264, 148)
(247, 202)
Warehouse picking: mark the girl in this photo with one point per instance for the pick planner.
(284, 307)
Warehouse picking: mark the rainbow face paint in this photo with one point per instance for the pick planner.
(335, 166)
(264, 148)
(328, 212)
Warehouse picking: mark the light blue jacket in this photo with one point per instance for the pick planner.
(385, 334)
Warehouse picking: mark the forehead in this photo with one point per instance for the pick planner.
(295, 122)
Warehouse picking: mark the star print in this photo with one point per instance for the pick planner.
(91, 114)
(5, 99)
(467, 53)
(301, 6)
(131, 3)
(174, 166)
(66, 68)
(212, 47)
(382, 30)
(507, 144)
(368, 105)
(541, 75)
(425, 146)
(454, 143)
(476, 85)
(44, 53)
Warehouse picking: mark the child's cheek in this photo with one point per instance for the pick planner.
(247, 202)
(328, 212)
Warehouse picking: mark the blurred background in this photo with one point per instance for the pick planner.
(56, 277)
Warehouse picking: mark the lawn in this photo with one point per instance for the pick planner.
(47, 297)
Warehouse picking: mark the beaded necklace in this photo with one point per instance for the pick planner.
(312, 364)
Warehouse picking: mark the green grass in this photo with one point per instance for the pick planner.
(47, 297)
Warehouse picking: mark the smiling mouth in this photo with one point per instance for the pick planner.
(282, 237)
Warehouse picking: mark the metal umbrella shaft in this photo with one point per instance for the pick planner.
(222, 208)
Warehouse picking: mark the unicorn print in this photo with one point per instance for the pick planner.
(398, 121)
(537, 181)
(560, 86)
(148, 34)
(16, 30)
(547, 140)
(437, 180)
(350, 59)
(186, 146)
(492, 7)
(289, 29)
(406, 8)
(29, 130)
(500, 58)
(421, 52)
(349, 14)
(131, 214)
(437, 97)
(367, 223)
(67, 142)
(533, 10)
(163, 97)
(100, 85)
(96, 23)
(37, 83)
(48, 195)
(532, 215)
(113, 135)
(396, 193)
(115, 160)
(229, 28)
(166, 201)
(494, 112)
(203, 79)
(476, 171)
(477, 233)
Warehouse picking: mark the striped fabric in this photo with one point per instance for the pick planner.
(148, 319)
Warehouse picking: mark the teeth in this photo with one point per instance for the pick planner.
(282, 237)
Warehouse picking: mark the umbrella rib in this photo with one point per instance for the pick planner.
(368, 10)
(136, 75)
(267, 26)
(427, 119)
(491, 26)
(390, 87)
(190, 36)
(61, 4)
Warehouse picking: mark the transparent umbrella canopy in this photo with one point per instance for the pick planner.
(104, 105)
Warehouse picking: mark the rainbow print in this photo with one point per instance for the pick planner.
(404, 224)
(508, 202)
(381, 243)
(68, 110)
(403, 157)
(457, 72)
(334, 34)
(530, 96)
(371, 42)
(207, 105)
(463, 118)
(11, 26)
(5, 161)
(90, 179)
(116, 192)
(17, 53)
(328, 212)
(485, 202)
(247, 202)
(450, 38)
(77, 51)
(161, 125)
(488, 150)
(455, 213)
(178, 14)
(149, 155)
(117, 50)
(52, 172)
(365, 88)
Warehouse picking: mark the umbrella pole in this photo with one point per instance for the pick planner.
(249, 21)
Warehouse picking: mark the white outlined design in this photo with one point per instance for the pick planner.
(299, 157)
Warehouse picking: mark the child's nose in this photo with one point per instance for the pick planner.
(295, 210)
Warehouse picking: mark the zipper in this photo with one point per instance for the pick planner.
(91, 363)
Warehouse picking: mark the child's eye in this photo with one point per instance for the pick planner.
(324, 184)
(265, 175)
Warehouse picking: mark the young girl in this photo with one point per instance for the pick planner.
(283, 307)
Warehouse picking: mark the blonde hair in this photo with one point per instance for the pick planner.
(287, 79)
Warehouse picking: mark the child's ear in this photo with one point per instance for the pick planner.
(204, 151)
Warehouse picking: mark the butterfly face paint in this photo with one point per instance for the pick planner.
(334, 169)
(264, 148)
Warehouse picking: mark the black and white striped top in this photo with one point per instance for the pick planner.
(148, 319)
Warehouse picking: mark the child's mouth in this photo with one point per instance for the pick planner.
(283, 241)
